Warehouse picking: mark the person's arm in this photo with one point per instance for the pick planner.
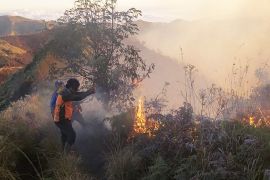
(77, 96)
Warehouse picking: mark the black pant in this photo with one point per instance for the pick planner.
(68, 134)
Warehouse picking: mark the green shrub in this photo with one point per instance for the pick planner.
(159, 170)
(122, 124)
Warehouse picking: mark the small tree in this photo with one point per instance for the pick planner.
(102, 56)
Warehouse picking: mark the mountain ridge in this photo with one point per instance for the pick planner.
(17, 25)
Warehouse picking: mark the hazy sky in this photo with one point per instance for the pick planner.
(156, 10)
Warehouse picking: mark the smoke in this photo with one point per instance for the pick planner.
(92, 134)
(199, 9)
(233, 9)
(226, 37)
(213, 46)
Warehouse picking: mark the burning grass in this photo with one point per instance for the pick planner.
(210, 150)
(183, 148)
(142, 124)
(174, 146)
(256, 119)
(140, 146)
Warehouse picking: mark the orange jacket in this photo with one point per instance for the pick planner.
(63, 110)
(64, 106)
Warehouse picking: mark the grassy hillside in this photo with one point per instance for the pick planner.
(15, 25)
(31, 42)
(17, 51)
(180, 149)
(8, 51)
(23, 81)
(181, 146)
(12, 58)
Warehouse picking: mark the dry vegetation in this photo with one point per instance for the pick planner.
(226, 138)
(185, 145)
(216, 134)
(29, 148)
(9, 54)
(184, 148)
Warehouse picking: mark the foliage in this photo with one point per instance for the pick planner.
(158, 170)
(122, 124)
(101, 55)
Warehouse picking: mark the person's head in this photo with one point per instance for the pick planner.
(58, 85)
(73, 84)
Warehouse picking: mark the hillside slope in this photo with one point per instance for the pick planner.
(31, 42)
(22, 82)
(8, 51)
(37, 71)
(56, 49)
(16, 25)
(12, 58)
(17, 51)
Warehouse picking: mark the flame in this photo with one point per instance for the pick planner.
(152, 127)
(252, 121)
(142, 125)
(140, 120)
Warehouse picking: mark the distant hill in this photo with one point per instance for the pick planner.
(17, 51)
(16, 25)
(32, 42)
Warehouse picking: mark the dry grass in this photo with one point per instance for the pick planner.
(68, 168)
(29, 144)
(7, 49)
(187, 149)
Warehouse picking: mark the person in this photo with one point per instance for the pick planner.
(59, 87)
(64, 109)
(77, 113)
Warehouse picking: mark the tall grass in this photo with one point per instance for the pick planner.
(184, 149)
(30, 145)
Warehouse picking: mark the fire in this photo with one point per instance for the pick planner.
(140, 120)
(252, 121)
(142, 125)
(258, 122)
